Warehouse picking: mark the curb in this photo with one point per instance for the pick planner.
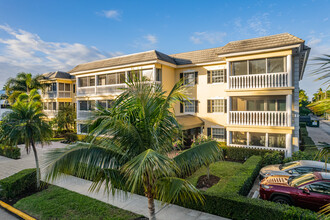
(15, 211)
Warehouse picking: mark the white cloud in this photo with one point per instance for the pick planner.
(209, 37)
(113, 14)
(146, 42)
(22, 51)
(257, 24)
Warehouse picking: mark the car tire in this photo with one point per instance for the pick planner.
(282, 200)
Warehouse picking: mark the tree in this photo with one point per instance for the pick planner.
(65, 118)
(321, 102)
(303, 102)
(129, 145)
(22, 83)
(25, 123)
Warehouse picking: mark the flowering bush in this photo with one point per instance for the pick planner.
(201, 139)
(178, 144)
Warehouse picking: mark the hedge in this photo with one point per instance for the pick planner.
(10, 152)
(18, 184)
(241, 153)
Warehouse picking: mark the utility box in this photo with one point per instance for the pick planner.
(314, 123)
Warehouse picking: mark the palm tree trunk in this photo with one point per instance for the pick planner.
(37, 163)
(151, 206)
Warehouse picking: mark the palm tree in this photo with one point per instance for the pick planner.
(25, 123)
(129, 145)
(22, 83)
(323, 153)
(65, 118)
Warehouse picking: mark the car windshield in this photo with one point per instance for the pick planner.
(288, 165)
(301, 180)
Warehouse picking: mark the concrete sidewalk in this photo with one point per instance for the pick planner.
(131, 202)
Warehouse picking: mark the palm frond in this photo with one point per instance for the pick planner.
(324, 213)
(195, 157)
(173, 189)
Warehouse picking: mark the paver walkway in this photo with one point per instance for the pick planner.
(6, 216)
(131, 202)
(320, 134)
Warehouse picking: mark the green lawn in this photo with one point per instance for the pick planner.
(59, 203)
(223, 169)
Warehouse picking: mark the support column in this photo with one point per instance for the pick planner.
(289, 109)
(228, 109)
(228, 74)
(248, 138)
(96, 81)
(289, 69)
(57, 89)
(155, 74)
(229, 136)
(288, 145)
(266, 144)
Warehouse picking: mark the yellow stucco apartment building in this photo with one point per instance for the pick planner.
(245, 93)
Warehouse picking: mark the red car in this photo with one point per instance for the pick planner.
(310, 191)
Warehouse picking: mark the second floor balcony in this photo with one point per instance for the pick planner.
(259, 118)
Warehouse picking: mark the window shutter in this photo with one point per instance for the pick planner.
(209, 106)
(196, 77)
(208, 131)
(196, 106)
(181, 76)
(181, 107)
(209, 77)
(225, 104)
(225, 75)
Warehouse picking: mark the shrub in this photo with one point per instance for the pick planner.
(71, 137)
(272, 158)
(243, 180)
(18, 184)
(300, 155)
(241, 153)
(11, 152)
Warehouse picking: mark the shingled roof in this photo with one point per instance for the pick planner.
(278, 40)
(57, 75)
(124, 60)
(194, 57)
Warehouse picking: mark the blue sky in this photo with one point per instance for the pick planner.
(42, 36)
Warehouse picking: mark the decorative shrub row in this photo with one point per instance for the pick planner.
(242, 181)
(241, 153)
(11, 152)
(18, 184)
(235, 206)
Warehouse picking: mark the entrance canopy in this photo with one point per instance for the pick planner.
(189, 121)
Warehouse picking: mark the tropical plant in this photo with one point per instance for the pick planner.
(128, 148)
(65, 118)
(325, 212)
(22, 83)
(324, 153)
(323, 69)
(25, 123)
(303, 102)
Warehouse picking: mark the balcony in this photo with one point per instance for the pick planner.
(62, 94)
(259, 118)
(110, 89)
(84, 91)
(256, 81)
(50, 113)
(49, 95)
(84, 115)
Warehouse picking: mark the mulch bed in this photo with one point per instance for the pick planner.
(204, 183)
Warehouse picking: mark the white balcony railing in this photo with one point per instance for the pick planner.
(50, 113)
(84, 115)
(62, 94)
(83, 91)
(49, 95)
(259, 118)
(269, 80)
(110, 89)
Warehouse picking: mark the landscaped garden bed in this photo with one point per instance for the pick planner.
(10, 152)
(54, 202)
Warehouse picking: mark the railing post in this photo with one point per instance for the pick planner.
(289, 69)
(289, 109)
(228, 75)
(288, 145)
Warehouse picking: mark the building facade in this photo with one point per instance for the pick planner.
(59, 89)
(245, 93)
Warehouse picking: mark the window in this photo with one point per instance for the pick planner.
(217, 105)
(67, 87)
(61, 86)
(281, 105)
(189, 78)
(86, 81)
(259, 66)
(257, 139)
(102, 103)
(239, 138)
(276, 65)
(110, 103)
(216, 76)
(74, 88)
(159, 75)
(259, 103)
(189, 106)
(83, 128)
(134, 75)
(101, 80)
(320, 187)
(276, 140)
(148, 75)
(86, 105)
(219, 133)
(239, 68)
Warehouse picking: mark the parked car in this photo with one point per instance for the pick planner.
(310, 191)
(294, 168)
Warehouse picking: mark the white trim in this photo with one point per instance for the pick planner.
(217, 97)
(210, 68)
(200, 64)
(258, 51)
(117, 70)
(189, 71)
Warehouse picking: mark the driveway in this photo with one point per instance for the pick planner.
(6, 216)
(320, 134)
